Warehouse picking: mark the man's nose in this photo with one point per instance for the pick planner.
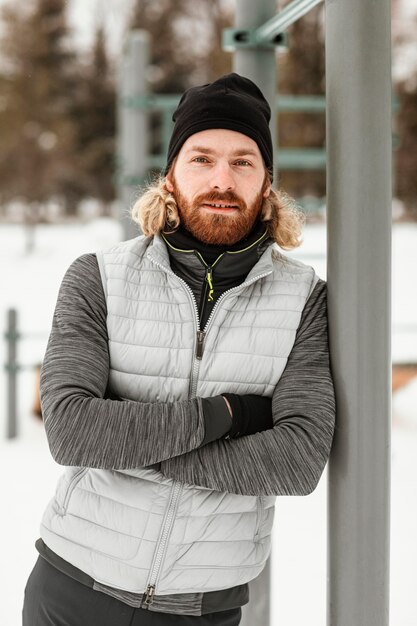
(222, 178)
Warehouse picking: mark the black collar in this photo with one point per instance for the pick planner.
(183, 240)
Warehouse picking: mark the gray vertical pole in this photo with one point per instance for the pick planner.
(359, 153)
(11, 368)
(133, 131)
(260, 66)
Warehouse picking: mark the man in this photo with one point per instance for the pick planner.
(186, 384)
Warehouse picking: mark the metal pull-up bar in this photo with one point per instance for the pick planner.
(268, 33)
(289, 14)
(359, 173)
(359, 155)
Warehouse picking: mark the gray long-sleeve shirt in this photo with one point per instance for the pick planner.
(86, 428)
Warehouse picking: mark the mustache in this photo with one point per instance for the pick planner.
(227, 197)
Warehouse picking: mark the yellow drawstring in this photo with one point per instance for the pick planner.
(210, 282)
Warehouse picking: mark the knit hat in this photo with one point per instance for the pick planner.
(232, 102)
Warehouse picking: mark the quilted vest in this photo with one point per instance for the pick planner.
(135, 529)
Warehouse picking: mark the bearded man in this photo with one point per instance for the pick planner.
(186, 384)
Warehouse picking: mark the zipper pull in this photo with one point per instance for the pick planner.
(209, 277)
(200, 341)
(149, 594)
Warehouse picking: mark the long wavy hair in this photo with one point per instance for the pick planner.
(156, 211)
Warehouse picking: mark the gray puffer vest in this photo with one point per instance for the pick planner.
(135, 529)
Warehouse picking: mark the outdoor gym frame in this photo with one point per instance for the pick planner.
(359, 174)
(359, 182)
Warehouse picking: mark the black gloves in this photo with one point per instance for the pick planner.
(250, 414)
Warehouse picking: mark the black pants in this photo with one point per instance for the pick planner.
(55, 599)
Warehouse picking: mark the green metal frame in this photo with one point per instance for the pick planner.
(285, 158)
(271, 33)
(234, 38)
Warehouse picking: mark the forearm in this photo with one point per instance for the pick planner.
(288, 459)
(84, 427)
(254, 465)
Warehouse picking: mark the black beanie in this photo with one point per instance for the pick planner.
(232, 102)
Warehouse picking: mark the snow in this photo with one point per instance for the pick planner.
(28, 473)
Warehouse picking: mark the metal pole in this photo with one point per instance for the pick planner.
(260, 66)
(358, 76)
(133, 131)
(11, 373)
(258, 63)
(286, 17)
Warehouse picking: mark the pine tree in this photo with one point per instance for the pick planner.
(95, 112)
(186, 41)
(38, 155)
(405, 122)
(211, 61)
(171, 64)
(405, 157)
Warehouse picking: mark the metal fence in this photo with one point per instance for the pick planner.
(12, 368)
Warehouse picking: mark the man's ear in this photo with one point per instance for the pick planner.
(169, 183)
(267, 189)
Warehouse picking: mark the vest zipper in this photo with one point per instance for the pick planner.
(202, 333)
(160, 550)
(200, 344)
(199, 334)
(169, 271)
(208, 287)
(225, 293)
(150, 591)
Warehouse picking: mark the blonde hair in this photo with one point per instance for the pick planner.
(156, 211)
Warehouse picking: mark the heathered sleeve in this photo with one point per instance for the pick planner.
(84, 426)
(289, 458)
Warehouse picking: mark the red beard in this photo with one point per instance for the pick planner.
(218, 228)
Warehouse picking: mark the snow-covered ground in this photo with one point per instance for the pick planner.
(28, 474)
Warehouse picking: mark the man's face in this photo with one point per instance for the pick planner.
(219, 183)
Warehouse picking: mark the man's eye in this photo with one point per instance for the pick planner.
(200, 159)
(242, 162)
